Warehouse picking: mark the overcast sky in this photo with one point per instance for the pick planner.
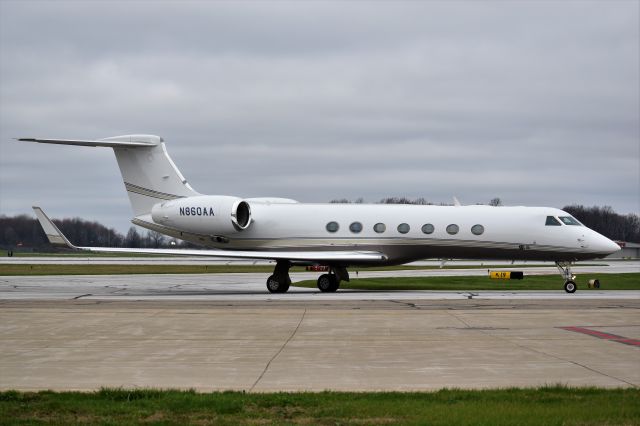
(537, 103)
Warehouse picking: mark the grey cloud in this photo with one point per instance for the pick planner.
(535, 102)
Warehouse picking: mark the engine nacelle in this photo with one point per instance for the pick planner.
(204, 214)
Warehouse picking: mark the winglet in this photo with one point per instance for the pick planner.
(52, 232)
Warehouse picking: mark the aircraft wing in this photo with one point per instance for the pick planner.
(57, 238)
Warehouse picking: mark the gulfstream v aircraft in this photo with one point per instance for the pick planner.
(333, 235)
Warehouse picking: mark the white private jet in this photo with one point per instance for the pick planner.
(336, 236)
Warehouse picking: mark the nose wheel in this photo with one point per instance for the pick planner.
(570, 286)
(569, 283)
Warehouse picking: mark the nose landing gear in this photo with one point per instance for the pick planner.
(570, 286)
(569, 283)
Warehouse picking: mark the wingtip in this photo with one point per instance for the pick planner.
(54, 235)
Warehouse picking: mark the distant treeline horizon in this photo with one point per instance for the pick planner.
(24, 232)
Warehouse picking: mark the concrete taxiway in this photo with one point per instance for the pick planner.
(224, 331)
(251, 287)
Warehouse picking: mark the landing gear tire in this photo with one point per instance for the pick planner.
(569, 283)
(275, 286)
(280, 281)
(328, 283)
(570, 286)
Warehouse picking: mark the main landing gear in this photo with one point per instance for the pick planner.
(280, 281)
(329, 283)
(569, 283)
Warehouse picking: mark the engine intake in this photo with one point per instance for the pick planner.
(241, 214)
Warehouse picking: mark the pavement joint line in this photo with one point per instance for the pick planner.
(559, 358)
(467, 325)
(81, 296)
(111, 352)
(280, 351)
(408, 304)
(542, 352)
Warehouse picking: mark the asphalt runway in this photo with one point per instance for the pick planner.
(224, 331)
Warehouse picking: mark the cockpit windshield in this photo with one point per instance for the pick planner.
(552, 221)
(568, 220)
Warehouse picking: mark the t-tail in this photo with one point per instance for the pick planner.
(149, 174)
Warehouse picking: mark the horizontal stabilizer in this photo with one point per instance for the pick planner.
(57, 238)
(130, 141)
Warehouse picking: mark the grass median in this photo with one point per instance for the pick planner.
(556, 405)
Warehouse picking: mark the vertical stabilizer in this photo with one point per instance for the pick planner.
(149, 174)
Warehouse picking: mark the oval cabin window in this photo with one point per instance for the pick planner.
(477, 229)
(379, 228)
(453, 229)
(403, 228)
(333, 226)
(427, 228)
(355, 227)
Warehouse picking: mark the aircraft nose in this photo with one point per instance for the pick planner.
(604, 245)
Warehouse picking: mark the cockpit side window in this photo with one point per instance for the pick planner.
(552, 221)
(569, 220)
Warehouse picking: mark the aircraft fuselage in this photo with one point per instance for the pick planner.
(402, 232)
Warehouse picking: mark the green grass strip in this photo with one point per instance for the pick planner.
(553, 405)
(530, 282)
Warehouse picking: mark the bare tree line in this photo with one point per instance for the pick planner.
(25, 231)
(404, 200)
